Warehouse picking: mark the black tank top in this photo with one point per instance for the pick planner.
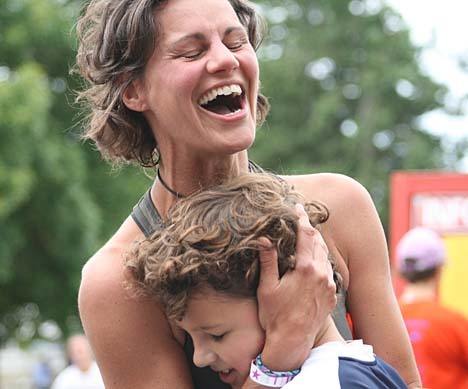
(147, 218)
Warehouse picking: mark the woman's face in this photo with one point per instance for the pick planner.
(226, 334)
(199, 89)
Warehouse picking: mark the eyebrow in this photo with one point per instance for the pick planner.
(210, 327)
(229, 30)
(198, 36)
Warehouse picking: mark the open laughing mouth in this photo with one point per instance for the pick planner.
(226, 375)
(226, 100)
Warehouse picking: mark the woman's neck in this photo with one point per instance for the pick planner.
(188, 176)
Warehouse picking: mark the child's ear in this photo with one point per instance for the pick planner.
(134, 96)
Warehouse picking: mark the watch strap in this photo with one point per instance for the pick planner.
(261, 374)
(262, 378)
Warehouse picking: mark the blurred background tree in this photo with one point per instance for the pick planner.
(345, 89)
(58, 201)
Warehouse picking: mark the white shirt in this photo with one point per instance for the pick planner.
(339, 365)
(73, 378)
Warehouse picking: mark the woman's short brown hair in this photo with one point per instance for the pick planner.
(212, 239)
(116, 40)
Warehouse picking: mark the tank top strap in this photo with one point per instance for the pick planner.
(339, 316)
(146, 216)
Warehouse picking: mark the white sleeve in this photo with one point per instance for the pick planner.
(319, 373)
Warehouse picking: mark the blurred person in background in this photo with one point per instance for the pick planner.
(439, 335)
(83, 372)
(42, 374)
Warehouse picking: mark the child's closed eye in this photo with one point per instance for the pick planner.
(218, 338)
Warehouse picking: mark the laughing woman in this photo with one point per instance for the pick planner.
(174, 84)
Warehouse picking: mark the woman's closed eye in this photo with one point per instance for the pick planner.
(188, 51)
(195, 54)
(236, 45)
(192, 54)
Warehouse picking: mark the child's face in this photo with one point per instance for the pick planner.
(226, 334)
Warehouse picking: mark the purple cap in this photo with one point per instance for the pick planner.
(424, 246)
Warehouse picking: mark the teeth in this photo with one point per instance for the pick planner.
(232, 113)
(227, 90)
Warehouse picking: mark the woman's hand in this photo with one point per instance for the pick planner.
(292, 308)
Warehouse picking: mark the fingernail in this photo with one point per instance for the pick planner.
(265, 244)
(266, 247)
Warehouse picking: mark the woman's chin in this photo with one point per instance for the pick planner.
(241, 143)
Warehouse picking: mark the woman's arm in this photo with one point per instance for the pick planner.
(293, 308)
(132, 341)
(358, 234)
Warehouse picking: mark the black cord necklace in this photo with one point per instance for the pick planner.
(177, 195)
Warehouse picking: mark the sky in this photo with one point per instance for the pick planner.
(442, 28)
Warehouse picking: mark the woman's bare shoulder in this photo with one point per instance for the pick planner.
(351, 207)
(130, 335)
(327, 184)
(337, 191)
(104, 271)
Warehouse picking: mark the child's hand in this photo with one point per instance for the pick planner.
(292, 309)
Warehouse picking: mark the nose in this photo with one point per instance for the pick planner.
(203, 356)
(221, 59)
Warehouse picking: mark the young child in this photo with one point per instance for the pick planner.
(203, 268)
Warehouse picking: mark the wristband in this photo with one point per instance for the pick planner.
(262, 375)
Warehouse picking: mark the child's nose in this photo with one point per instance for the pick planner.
(203, 357)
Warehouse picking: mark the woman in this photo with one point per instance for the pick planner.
(177, 81)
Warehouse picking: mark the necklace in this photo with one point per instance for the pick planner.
(252, 168)
(177, 195)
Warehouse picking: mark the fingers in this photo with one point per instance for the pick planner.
(305, 233)
(269, 274)
(311, 250)
(309, 241)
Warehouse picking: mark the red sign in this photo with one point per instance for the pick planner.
(446, 213)
(438, 200)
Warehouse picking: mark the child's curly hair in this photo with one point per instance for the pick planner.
(212, 239)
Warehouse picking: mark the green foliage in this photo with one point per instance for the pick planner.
(58, 201)
(335, 105)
